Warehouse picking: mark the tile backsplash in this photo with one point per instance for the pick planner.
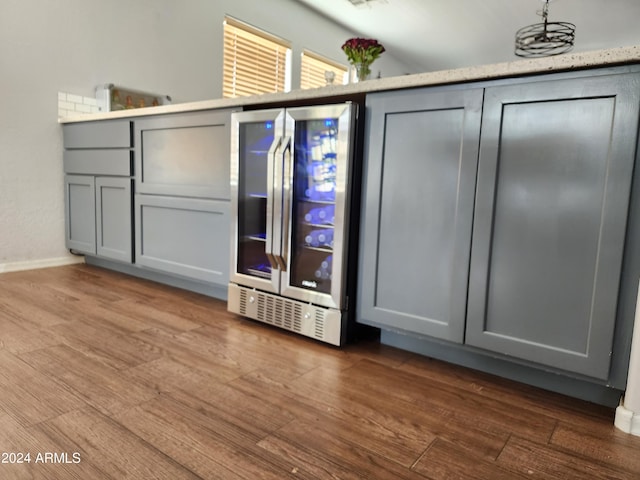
(70, 104)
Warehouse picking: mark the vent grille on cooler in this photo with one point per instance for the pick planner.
(243, 302)
(319, 330)
(284, 313)
(287, 318)
(261, 308)
(297, 318)
(279, 312)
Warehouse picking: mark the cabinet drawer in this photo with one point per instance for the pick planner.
(106, 134)
(99, 162)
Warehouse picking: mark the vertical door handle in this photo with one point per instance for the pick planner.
(272, 156)
(287, 191)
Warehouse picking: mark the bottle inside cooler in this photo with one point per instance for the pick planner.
(324, 270)
(321, 167)
(323, 215)
(320, 238)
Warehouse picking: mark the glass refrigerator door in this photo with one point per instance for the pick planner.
(255, 141)
(317, 204)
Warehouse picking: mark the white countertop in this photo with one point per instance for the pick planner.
(574, 61)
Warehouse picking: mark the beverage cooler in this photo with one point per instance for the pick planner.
(290, 197)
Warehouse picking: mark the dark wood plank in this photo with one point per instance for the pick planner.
(323, 451)
(111, 448)
(116, 283)
(18, 336)
(601, 443)
(277, 394)
(386, 432)
(283, 361)
(97, 384)
(81, 285)
(15, 307)
(247, 413)
(535, 460)
(177, 346)
(32, 440)
(147, 381)
(115, 349)
(153, 316)
(471, 431)
(33, 287)
(534, 399)
(207, 445)
(464, 408)
(171, 374)
(29, 395)
(117, 319)
(445, 461)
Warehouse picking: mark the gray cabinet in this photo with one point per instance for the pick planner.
(554, 179)
(182, 222)
(114, 226)
(420, 171)
(183, 236)
(98, 189)
(528, 269)
(80, 213)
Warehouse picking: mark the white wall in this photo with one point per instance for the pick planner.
(165, 46)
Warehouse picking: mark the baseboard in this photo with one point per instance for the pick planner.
(42, 263)
(627, 420)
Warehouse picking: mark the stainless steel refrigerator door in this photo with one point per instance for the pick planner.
(256, 139)
(316, 203)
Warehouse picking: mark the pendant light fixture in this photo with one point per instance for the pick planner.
(546, 38)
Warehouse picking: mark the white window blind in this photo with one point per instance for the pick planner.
(254, 61)
(313, 68)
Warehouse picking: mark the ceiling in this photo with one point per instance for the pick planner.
(432, 35)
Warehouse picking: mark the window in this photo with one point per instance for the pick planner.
(314, 66)
(254, 61)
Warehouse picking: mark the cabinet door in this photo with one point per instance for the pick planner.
(183, 236)
(184, 155)
(554, 176)
(419, 181)
(80, 213)
(113, 218)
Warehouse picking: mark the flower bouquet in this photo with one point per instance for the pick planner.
(361, 53)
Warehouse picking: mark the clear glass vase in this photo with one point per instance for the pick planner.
(363, 71)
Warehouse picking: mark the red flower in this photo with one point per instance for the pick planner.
(362, 50)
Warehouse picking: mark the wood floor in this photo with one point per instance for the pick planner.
(103, 376)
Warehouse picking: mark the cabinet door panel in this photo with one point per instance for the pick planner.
(184, 155)
(553, 187)
(80, 213)
(420, 170)
(184, 236)
(113, 218)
